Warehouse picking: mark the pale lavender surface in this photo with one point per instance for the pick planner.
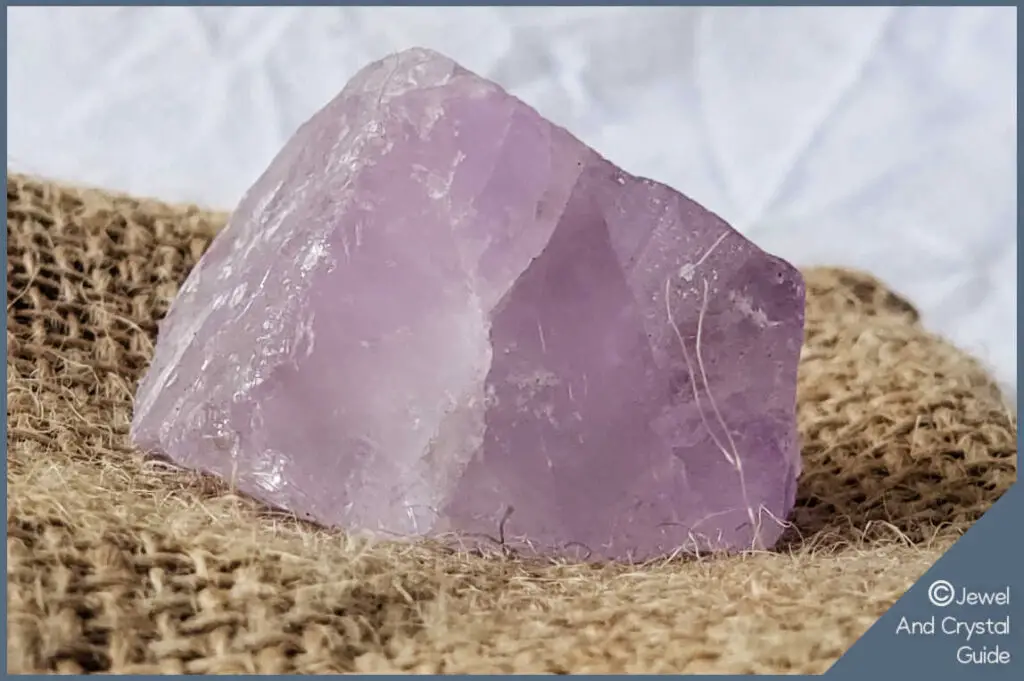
(435, 306)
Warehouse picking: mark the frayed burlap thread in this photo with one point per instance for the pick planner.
(116, 564)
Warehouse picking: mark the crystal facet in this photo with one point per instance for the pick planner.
(437, 313)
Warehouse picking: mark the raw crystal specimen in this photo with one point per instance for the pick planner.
(437, 313)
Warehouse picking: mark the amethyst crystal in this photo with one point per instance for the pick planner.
(437, 313)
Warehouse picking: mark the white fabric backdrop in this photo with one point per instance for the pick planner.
(874, 137)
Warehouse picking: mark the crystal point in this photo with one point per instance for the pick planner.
(437, 313)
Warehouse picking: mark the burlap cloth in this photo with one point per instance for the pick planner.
(115, 564)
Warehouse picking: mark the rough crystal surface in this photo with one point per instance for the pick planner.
(437, 313)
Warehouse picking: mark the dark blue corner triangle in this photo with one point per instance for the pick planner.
(957, 621)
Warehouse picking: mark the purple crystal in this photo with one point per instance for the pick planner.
(437, 313)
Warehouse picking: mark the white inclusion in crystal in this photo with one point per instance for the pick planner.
(438, 185)
(348, 153)
(450, 432)
(745, 305)
(259, 212)
(272, 477)
(238, 295)
(687, 271)
(432, 113)
(305, 337)
(315, 253)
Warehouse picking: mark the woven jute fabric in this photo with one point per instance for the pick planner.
(119, 564)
